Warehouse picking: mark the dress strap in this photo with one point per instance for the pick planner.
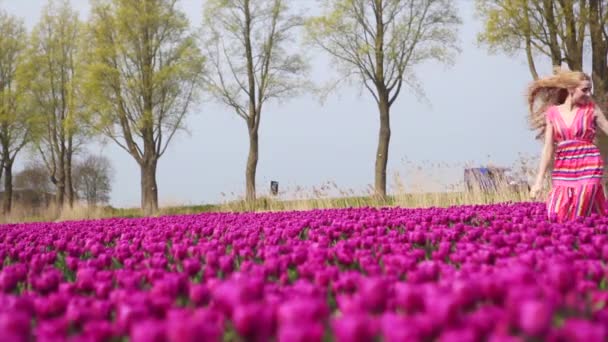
(551, 112)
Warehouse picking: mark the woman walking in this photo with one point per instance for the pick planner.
(568, 118)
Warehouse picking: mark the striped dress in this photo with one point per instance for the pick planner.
(578, 167)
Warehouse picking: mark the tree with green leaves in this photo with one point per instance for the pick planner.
(250, 64)
(14, 117)
(144, 71)
(380, 42)
(557, 30)
(554, 29)
(52, 71)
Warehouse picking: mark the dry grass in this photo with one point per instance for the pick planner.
(20, 213)
(412, 186)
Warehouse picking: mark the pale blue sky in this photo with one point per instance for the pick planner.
(305, 143)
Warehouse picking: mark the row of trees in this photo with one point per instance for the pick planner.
(133, 71)
(40, 99)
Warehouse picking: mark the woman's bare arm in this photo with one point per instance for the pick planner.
(547, 154)
(600, 118)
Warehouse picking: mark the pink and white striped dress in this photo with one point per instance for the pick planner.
(578, 167)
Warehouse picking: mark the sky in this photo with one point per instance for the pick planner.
(306, 143)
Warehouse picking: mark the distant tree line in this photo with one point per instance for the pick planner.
(92, 179)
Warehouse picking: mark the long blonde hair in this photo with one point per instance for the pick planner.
(550, 91)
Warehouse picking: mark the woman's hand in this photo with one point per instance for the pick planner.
(535, 190)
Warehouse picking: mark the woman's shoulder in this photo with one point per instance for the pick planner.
(551, 109)
(594, 109)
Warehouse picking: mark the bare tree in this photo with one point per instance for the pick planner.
(93, 179)
(34, 176)
(380, 42)
(246, 42)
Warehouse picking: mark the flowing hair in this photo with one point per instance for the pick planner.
(550, 91)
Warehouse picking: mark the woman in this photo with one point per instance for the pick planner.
(568, 118)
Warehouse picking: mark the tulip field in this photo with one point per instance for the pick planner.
(494, 273)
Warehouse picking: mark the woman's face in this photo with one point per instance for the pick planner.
(582, 94)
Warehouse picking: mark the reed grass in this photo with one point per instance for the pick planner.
(413, 186)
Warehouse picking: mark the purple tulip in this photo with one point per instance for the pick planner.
(148, 331)
(8, 280)
(127, 314)
(230, 294)
(578, 330)
(396, 328)
(85, 279)
(465, 292)
(301, 310)
(443, 309)
(306, 332)
(51, 306)
(354, 328)
(373, 293)
(485, 319)
(52, 329)
(535, 317)
(458, 335)
(192, 266)
(409, 297)
(504, 338)
(254, 321)
(16, 324)
(98, 331)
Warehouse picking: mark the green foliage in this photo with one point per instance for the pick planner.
(14, 115)
(51, 74)
(504, 24)
(143, 71)
(552, 28)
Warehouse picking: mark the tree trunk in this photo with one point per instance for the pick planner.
(556, 54)
(383, 104)
(69, 187)
(599, 49)
(149, 190)
(574, 48)
(8, 187)
(531, 64)
(383, 143)
(60, 197)
(530, 57)
(252, 164)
